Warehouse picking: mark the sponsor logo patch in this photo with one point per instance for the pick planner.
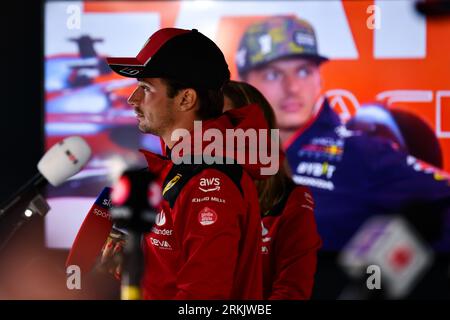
(323, 148)
(163, 244)
(171, 183)
(209, 184)
(313, 182)
(102, 213)
(160, 219)
(316, 169)
(301, 39)
(264, 229)
(207, 216)
(129, 71)
(421, 166)
(265, 232)
(215, 199)
(162, 232)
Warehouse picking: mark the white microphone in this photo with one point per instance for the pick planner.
(60, 162)
(64, 159)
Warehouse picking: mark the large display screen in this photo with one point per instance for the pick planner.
(379, 51)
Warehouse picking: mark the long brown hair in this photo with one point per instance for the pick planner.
(270, 190)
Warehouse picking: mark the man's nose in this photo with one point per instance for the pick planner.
(132, 99)
(292, 84)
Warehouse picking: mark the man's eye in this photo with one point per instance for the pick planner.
(272, 75)
(304, 72)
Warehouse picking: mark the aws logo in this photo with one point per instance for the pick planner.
(209, 184)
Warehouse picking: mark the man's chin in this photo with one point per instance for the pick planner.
(147, 130)
(144, 129)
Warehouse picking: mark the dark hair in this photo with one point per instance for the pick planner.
(242, 94)
(210, 100)
(271, 190)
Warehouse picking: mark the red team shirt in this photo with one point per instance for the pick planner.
(206, 240)
(289, 246)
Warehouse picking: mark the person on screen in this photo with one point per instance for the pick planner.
(352, 176)
(290, 238)
(206, 240)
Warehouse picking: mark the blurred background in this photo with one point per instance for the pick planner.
(57, 84)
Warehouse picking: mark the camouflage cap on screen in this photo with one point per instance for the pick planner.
(275, 38)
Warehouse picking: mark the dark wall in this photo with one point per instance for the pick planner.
(21, 121)
(21, 115)
(28, 270)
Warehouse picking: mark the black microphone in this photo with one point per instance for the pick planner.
(135, 198)
(60, 162)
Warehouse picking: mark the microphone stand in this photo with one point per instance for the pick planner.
(21, 207)
(133, 268)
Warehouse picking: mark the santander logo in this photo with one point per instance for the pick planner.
(160, 219)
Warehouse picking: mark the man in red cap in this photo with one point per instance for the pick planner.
(206, 240)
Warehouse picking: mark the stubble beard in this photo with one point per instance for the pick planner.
(159, 128)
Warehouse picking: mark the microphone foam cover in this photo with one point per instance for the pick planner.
(64, 159)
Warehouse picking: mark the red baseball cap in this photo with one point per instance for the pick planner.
(187, 56)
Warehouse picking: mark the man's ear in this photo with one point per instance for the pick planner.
(188, 99)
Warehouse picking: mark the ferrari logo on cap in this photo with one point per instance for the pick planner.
(129, 71)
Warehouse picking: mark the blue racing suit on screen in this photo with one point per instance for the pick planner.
(354, 176)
